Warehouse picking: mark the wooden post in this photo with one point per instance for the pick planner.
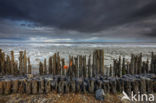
(63, 69)
(84, 67)
(34, 86)
(80, 66)
(12, 62)
(41, 85)
(8, 65)
(15, 86)
(41, 68)
(45, 66)
(111, 71)
(123, 67)
(54, 64)
(1, 87)
(21, 64)
(29, 66)
(140, 63)
(89, 67)
(28, 87)
(25, 62)
(102, 61)
(120, 67)
(76, 67)
(7, 86)
(3, 63)
(50, 65)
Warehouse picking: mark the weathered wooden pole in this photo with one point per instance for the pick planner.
(21, 64)
(76, 67)
(45, 66)
(29, 66)
(102, 61)
(50, 65)
(80, 66)
(54, 64)
(8, 65)
(89, 67)
(12, 62)
(41, 68)
(123, 67)
(84, 67)
(25, 62)
(62, 68)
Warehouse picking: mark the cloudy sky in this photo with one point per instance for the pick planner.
(78, 20)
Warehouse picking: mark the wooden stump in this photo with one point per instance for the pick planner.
(34, 86)
(41, 85)
(15, 86)
(1, 87)
(7, 87)
(28, 87)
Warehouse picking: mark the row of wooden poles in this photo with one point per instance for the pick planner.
(79, 66)
(60, 84)
(8, 65)
(135, 66)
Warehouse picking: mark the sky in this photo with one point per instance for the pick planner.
(78, 20)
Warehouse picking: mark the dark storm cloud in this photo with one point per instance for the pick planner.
(88, 18)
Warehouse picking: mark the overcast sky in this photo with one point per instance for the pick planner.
(78, 20)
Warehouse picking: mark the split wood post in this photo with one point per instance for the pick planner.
(7, 86)
(106, 86)
(132, 64)
(127, 86)
(1, 87)
(110, 71)
(112, 84)
(142, 85)
(123, 67)
(48, 85)
(80, 66)
(50, 65)
(29, 66)
(3, 63)
(115, 67)
(128, 68)
(91, 85)
(41, 68)
(25, 62)
(89, 67)
(149, 86)
(102, 61)
(45, 66)
(58, 66)
(135, 85)
(140, 63)
(120, 67)
(12, 62)
(22, 86)
(54, 64)
(34, 86)
(76, 67)
(21, 63)
(8, 65)
(84, 67)
(63, 69)
(41, 85)
(15, 86)
(16, 71)
(28, 86)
